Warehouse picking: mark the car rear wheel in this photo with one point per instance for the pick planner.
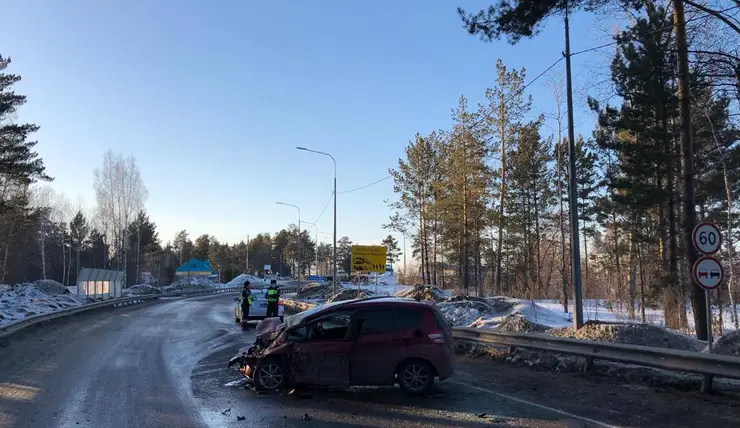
(416, 377)
(270, 374)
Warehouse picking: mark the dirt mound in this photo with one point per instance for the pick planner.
(314, 290)
(48, 286)
(631, 334)
(348, 294)
(729, 344)
(424, 292)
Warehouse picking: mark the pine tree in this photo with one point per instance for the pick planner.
(391, 249)
(19, 164)
(463, 193)
(414, 182)
(530, 201)
(79, 231)
(503, 118)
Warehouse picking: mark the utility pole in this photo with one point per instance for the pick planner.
(575, 245)
(246, 263)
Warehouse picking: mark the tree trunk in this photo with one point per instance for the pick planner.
(698, 301)
(563, 275)
(502, 197)
(642, 286)
(632, 275)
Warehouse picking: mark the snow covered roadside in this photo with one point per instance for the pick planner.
(38, 297)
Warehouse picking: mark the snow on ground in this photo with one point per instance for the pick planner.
(23, 300)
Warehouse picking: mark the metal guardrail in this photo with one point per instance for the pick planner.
(709, 365)
(16, 326)
(660, 358)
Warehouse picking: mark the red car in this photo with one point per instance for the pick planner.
(375, 341)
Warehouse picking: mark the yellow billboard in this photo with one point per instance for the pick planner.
(368, 258)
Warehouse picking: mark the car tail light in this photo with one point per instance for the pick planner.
(437, 337)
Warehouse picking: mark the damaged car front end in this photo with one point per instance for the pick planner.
(249, 359)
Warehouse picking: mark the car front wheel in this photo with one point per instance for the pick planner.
(270, 374)
(416, 377)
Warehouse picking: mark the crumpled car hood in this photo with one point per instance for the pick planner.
(267, 331)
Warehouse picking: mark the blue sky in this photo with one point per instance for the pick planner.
(212, 97)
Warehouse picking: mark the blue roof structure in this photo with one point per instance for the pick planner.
(194, 265)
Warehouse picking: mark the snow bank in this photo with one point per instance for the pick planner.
(632, 334)
(239, 281)
(23, 300)
(500, 313)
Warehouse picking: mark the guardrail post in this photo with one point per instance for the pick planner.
(706, 383)
(512, 349)
(588, 364)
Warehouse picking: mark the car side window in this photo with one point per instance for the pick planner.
(409, 319)
(300, 333)
(333, 327)
(376, 322)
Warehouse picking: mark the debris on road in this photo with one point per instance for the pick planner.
(306, 417)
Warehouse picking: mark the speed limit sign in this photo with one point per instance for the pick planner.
(707, 237)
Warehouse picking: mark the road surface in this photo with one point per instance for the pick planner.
(163, 364)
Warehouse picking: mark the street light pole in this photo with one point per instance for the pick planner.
(298, 263)
(317, 244)
(334, 277)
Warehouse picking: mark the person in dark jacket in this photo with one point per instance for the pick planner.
(245, 300)
(273, 297)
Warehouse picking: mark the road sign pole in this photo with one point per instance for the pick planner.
(710, 340)
(707, 239)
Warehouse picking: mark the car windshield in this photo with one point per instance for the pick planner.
(297, 318)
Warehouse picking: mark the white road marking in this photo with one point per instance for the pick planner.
(539, 406)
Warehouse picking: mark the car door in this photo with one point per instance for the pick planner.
(377, 349)
(259, 304)
(322, 358)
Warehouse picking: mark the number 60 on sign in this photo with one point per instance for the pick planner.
(707, 238)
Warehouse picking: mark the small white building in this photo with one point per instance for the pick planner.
(100, 283)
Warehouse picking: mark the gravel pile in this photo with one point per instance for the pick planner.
(517, 323)
(729, 344)
(314, 291)
(632, 334)
(424, 292)
(141, 289)
(349, 294)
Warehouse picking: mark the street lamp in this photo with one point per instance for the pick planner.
(298, 267)
(334, 278)
(316, 228)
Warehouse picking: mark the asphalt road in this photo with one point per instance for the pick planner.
(163, 364)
